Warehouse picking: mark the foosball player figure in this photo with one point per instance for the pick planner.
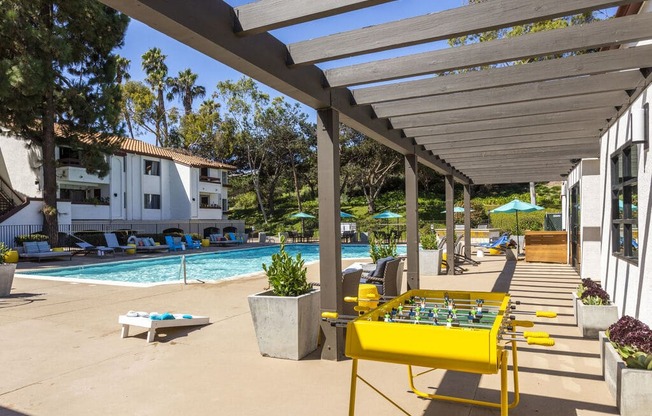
(479, 302)
(400, 310)
(417, 319)
(388, 317)
(449, 320)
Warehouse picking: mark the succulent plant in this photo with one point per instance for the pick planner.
(633, 341)
(591, 293)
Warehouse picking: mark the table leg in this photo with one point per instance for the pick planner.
(125, 331)
(151, 334)
(354, 379)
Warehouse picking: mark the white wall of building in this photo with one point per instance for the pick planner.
(20, 165)
(629, 285)
(590, 220)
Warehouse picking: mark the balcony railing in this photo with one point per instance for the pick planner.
(210, 206)
(213, 179)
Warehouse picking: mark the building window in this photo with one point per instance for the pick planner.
(152, 201)
(624, 203)
(152, 168)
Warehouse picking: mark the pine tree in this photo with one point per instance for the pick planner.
(57, 69)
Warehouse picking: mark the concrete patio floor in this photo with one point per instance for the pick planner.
(62, 354)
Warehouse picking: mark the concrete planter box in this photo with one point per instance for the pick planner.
(576, 301)
(630, 387)
(595, 318)
(286, 327)
(429, 262)
(6, 278)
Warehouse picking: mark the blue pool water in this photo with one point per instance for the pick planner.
(206, 267)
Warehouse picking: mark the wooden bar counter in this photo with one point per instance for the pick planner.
(546, 246)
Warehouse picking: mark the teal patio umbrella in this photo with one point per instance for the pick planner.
(346, 215)
(517, 206)
(303, 216)
(387, 215)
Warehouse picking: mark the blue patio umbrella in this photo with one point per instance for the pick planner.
(387, 215)
(346, 215)
(456, 210)
(517, 206)
(303, 216)
(620, 205)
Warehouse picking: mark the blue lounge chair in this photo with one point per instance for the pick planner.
(232, 237)
(169, 241)
(192, 243)
(502, 241)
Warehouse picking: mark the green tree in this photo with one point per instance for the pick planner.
(139, 105)
(200, 131)
(366, 165)
(242, 140)
(57, 69)
(122, 75)
(157, 75)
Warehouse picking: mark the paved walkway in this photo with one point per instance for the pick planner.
(61, 354)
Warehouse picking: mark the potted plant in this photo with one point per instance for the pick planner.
(429, 255)
(7, 271)
(379, 250)
(595, 312)
(627, 365)
(286, 314)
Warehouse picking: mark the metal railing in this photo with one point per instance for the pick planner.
(8, 233)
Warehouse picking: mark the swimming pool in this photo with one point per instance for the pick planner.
(202, 266)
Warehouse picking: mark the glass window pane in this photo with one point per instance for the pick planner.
(621, 237)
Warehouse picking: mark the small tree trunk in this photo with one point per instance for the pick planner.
(533, 194)
(50, 216)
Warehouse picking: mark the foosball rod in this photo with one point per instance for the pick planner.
(464, 300)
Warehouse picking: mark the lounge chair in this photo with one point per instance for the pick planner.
(219, 240)
(503, 240)
(147, 244)
(87, 248)
(172, 245)
(232, 237)
(112, 242)
(41, 250)
(190, 243)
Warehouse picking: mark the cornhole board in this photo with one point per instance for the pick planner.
(152, 324)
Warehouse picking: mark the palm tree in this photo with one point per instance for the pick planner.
(122, 74)
(184, 87)
(157, 74)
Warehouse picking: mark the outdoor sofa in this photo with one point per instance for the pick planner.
(38, 250)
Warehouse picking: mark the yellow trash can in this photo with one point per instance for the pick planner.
(205, 242)
(131, 250)
(57, 248)
(11, 256)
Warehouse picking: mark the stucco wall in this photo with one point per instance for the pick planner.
(20, 165)
(590, 220)
(628, 284)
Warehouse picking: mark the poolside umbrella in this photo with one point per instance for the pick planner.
(387, 215)
(346, 215)
(303, 216)
(517, 206)
(456, 210)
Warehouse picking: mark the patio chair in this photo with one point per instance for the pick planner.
(390, 283)
(192, 243)
(172, 245)
(233, 237)
(146, 244)
(350, 284)
(112, 242)
(41, 250)
(88, 248)
(503, 240)
(460, 258)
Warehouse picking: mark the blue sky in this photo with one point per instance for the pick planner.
(140, 38)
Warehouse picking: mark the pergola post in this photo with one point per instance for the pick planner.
(450, 223)
(412, 218)
(330, 244)
(467, 220)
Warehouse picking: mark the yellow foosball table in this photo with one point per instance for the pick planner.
(449, 330)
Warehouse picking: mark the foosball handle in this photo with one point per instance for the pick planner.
(351, 299)
(527, 334)
(329, 315)
(524, 324)
(546, 314)
(546, 342)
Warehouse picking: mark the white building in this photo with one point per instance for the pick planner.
(146, 184)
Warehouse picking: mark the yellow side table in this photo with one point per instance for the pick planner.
(205, 242)
(57, 248)
(11, 256)
(131, 250)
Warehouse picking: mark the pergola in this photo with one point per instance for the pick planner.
(512, 123)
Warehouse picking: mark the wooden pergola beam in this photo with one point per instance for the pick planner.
(598, 116)
(552, 105)
(524, 133)
(507, 141)
(572, 66)
(444, 151)
(263, 15)
(534, 91)
(475, 18)
(573, 38)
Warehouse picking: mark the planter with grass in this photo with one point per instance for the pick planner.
(595, 312)
(286, 316)
(626, 350)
